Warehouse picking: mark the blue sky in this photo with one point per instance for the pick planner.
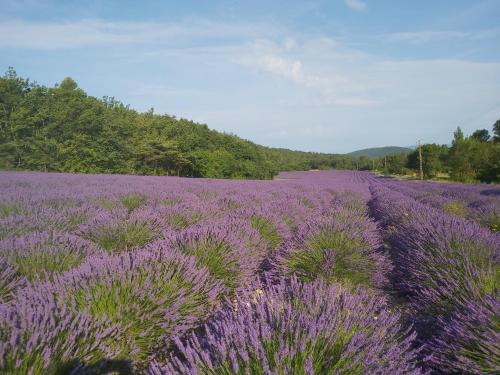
(330, 76)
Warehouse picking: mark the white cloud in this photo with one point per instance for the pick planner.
(357, 5)
(291, 69)
(314, 67)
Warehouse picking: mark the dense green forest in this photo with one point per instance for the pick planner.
(469, 158)
(64, 129)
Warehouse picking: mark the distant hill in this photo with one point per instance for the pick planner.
(378, 152)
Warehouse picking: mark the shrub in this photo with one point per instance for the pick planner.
(297, 328)
(40, 335)
(149, 296)
(267, 230)
(39, 255)
(133, 201)
(343, 248)
(446, 267)
(116, 234)
(10, 281)
(226, 247)
(470, 342)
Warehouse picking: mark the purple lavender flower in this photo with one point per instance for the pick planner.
(470, 343)
(41, 335)
(10, 281)
(150, 295)
(446, 267)
(229, 248)
(38, 256)
(297, 328)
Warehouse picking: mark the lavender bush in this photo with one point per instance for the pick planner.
(297, 328)
(41, 335)
(119, 233)
(150, 295)
(228, 248)
(37, 256)
(342, 247)
(10, 281)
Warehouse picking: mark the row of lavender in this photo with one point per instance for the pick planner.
(479, 203)
(169, 275)
(445, 277)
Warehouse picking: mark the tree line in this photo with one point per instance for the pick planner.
(63, 129)
(473, 158)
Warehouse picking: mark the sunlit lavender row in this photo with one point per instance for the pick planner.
(331, 272)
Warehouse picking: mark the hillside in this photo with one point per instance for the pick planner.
(65, 130)
(378, 152)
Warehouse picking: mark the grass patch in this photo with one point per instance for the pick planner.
(455, 208)
(334, 256)
(44, 264)
(217, 256)
(133, 201)
(11, 209)
(267, 231)
(169, 202)
(123, 236)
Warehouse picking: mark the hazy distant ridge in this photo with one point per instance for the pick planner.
(377, 152)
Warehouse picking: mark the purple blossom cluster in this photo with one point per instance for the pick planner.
(297, 328)
(313, 273)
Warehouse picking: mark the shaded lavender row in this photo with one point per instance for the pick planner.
(479, 203)
(446, 268)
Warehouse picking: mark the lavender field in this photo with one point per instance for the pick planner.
(331, 272)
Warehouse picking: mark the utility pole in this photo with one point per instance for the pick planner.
(385, 162)
(420, 160)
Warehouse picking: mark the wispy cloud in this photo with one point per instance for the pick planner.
(357, 5)
(425, 36)
(327, 87)
(84, 33)
(438, 35)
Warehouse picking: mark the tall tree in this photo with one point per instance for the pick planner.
(481, 135)
(496, 131)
